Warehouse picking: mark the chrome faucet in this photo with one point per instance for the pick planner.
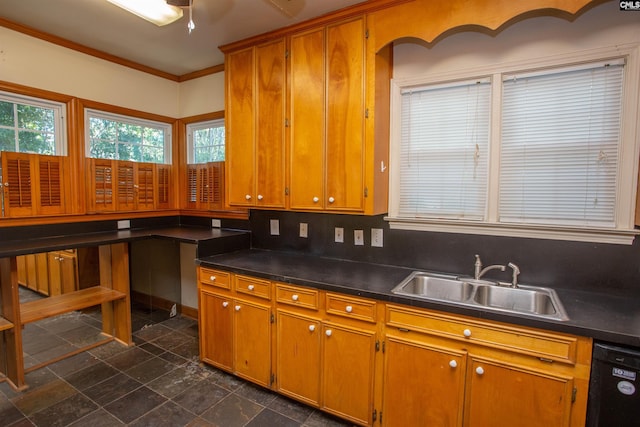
(479, 271)
(516, 271)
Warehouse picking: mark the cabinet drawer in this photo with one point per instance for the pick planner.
(355, 308)
(217, 278)
(545, 345)
(251, 286)
(294, 295)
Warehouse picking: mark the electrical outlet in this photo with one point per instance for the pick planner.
(376, 237)
(304, 229)
(275, 227)
(339, 235)
(358, 237)
(215, 223)
(123, 224)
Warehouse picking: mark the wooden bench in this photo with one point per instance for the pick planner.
(33, 311)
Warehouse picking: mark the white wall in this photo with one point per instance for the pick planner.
(602, 26)
(39, 64)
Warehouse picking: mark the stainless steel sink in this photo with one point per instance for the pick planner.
(523, 300)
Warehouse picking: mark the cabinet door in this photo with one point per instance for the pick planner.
(63, 272)
(502, 395)
(270, 143)
(216, 329)
(307, 120)
(298, 356)
(240, 127)
(423, 385)
(345, 115)
(252, 341)
(348, 371)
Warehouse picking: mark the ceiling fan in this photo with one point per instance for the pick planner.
(289, 7)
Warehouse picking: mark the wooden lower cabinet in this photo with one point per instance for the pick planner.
(454, 371)
(373, 363)
(235, 333)
(216, 329)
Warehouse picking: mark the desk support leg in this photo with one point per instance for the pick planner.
(11, 357)
(114, 274)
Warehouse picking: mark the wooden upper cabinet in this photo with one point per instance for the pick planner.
(116, 185)
(307, 120)
(255, 102)
(205, 186)
(33, 184)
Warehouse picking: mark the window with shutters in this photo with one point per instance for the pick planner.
(205, 168)
(206, 141)
(547, 152)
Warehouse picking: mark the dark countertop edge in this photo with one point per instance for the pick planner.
(185, 234)
(594, 321)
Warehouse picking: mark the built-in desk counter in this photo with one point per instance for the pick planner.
(113, 294)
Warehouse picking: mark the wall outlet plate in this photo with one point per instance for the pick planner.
(215, 223)
(274, 227)
(339, 235)
(376, 237)
(358, 237)
(124, 224)
(304, 229)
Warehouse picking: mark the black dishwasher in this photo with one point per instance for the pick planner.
(614, 389)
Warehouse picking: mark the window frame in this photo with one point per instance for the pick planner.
(60, 118)
(191, 127)
(622, 233)
(132, 120)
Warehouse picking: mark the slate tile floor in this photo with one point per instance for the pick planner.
(157, 382)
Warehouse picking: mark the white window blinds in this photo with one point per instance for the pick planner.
(443, 151)
(560, 146)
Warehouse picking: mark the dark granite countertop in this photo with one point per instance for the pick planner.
(196, 235)
(600, 316)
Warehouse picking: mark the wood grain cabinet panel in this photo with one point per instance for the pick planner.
(255, 102)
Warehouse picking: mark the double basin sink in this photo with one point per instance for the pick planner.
(523, 300)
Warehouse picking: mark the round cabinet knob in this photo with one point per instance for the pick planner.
(212, 278)
(453, 363)
(260, 197)
(237, 307)
(316, 200)
(295, 297)
(328, 332)
(331, 200)
(348, 309)
(479, 370)
(250, 287)
(467, 332)
(225, 304)
(312, 328)
(248, 197)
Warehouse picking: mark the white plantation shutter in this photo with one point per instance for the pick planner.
(444, 150)
(560, 144)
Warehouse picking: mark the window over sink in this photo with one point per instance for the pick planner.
(542, 149)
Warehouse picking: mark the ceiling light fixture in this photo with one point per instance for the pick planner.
(191, 25)
(154, 11)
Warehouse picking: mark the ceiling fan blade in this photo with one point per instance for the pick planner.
(289, 7)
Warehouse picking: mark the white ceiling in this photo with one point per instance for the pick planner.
(100, 25)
